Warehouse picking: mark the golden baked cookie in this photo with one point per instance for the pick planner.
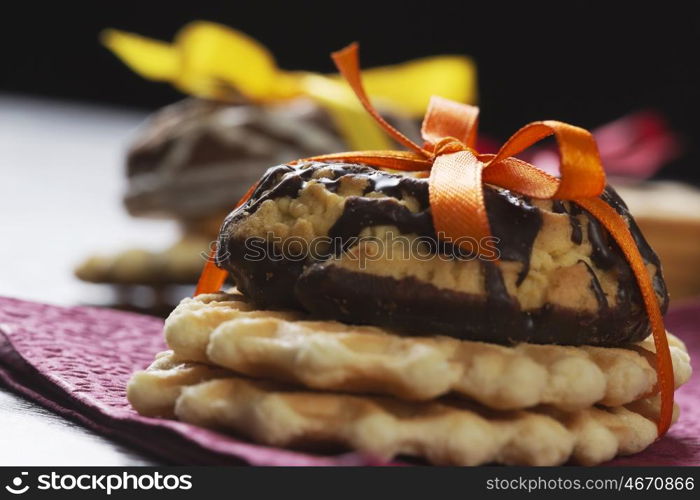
(223, 329)
(181, 263)
(446, 432)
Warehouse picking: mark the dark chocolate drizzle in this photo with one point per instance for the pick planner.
(596, 287)
(495, 286)
(361, 212)
(558, 207)
(606, 254)
(603, 254)
(576, 230)
(515, 222)
(398, 187)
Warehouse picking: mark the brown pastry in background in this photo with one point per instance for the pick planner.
(192, 160)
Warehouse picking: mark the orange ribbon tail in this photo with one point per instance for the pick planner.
(213, 277)
(617, 227)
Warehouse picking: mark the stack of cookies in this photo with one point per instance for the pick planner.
(354, 326)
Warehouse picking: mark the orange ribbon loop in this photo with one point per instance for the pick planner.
(348, 63)
(444, 118)
(457, 174)
(581, 171)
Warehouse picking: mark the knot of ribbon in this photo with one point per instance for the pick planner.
(457, 174)
(448, 145)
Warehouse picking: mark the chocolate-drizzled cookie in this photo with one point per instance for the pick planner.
(196, 157)
(352, 243)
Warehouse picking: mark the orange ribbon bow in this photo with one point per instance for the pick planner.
(457, 174)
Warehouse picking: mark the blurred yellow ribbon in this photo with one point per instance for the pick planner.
(212, 61)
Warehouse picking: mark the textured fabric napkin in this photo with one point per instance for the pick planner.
(76, 361)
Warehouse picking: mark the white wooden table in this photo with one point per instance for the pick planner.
(61, 180)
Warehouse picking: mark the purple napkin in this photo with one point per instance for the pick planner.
(76, 361)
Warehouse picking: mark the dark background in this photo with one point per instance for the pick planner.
(582, 62)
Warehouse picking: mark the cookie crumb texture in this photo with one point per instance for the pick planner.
(351, 243)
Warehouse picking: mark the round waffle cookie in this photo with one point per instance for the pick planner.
(224, 330)
(445, 432)
(181, 263)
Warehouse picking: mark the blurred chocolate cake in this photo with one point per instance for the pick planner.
(196, 157)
